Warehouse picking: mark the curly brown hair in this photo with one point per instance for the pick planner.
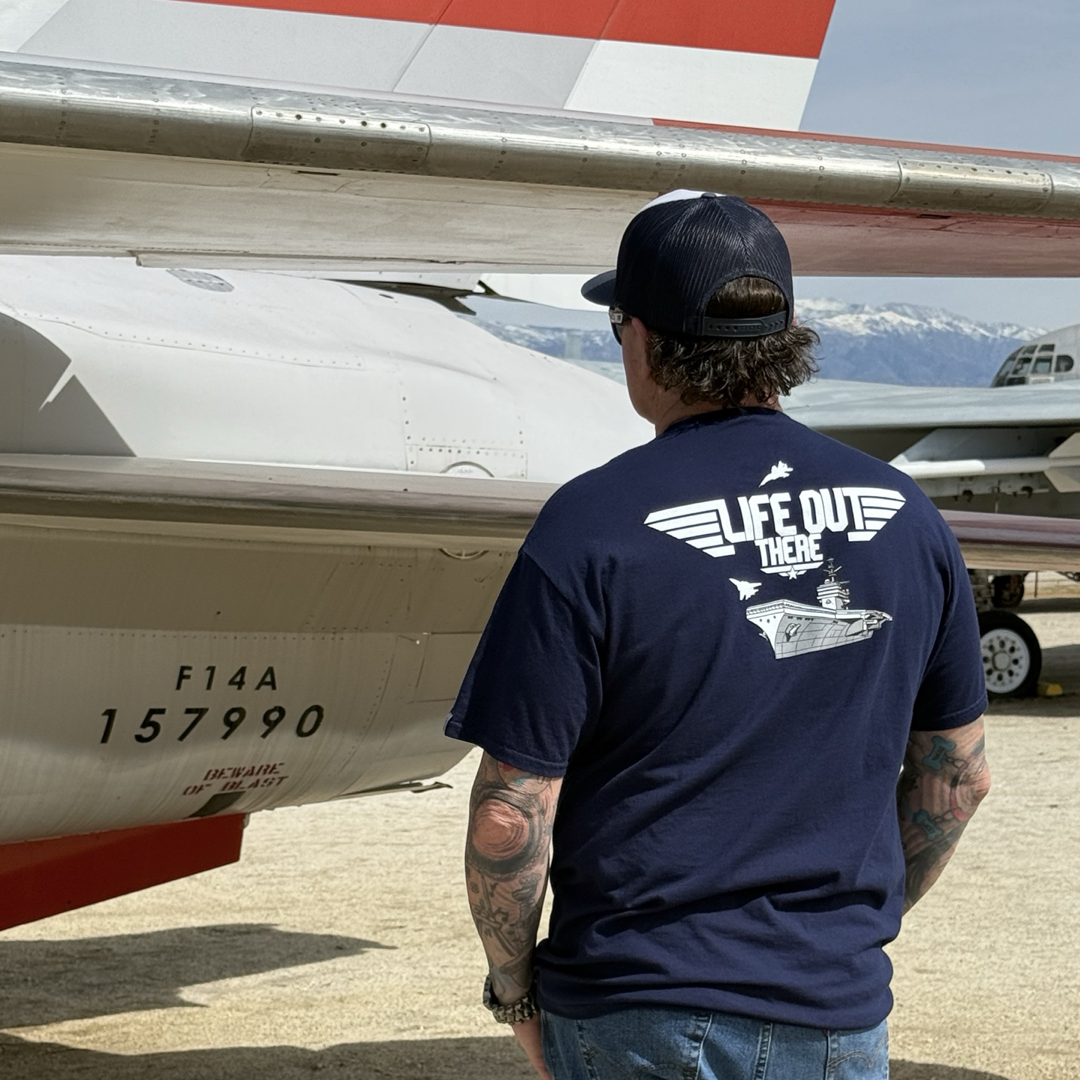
(726, 371)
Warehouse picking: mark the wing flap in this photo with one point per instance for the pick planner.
(745, 64)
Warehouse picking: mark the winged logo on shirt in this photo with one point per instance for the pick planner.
(788, 529)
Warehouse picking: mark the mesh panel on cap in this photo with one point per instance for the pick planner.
(676, 253)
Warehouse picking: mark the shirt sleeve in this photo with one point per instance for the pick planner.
(953, 689)
(534, 682)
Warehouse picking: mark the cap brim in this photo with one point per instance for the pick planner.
(600, 289)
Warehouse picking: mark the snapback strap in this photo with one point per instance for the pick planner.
(700, 326)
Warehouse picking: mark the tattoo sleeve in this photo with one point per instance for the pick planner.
(944, 779)
(506, 868)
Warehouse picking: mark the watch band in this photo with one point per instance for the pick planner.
(523, 1009)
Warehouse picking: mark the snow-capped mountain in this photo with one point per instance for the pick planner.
(893, 343)
(905, 343)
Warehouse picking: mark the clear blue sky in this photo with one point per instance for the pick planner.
(994, 73)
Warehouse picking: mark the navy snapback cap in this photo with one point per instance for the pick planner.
(680, 249)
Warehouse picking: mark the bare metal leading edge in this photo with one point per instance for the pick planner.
(123, 113)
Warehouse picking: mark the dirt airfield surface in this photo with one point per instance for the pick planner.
(340, 944)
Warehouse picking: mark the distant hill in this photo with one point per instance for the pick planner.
(905, 343)
(893, 343)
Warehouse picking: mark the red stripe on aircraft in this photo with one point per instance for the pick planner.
(780, 27)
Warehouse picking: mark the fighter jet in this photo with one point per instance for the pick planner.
(250, 524)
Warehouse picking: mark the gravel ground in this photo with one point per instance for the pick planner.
(340, 942)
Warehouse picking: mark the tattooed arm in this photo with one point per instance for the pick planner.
(506, 868)
(944, 779)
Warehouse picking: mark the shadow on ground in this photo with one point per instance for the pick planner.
(494, 1058)
(1061, 664)
(44, 982)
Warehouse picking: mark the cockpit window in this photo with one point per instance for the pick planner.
(1022, 365)
(1028, 351)
(1042, 365)
(1046, 348)
(1064, 363)
(1003, 370)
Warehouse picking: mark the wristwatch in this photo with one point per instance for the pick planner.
(523, 1009)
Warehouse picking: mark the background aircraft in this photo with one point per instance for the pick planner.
(1004, 451)
(209, 606)
(1050, 358)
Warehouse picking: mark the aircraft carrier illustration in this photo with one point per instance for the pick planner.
(792, 628)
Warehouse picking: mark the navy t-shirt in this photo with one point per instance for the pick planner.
(722, 640)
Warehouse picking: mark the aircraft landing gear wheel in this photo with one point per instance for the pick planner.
(1008, 590)
(1011, 655)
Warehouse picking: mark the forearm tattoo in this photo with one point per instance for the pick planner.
(945, 777)
(506, 865)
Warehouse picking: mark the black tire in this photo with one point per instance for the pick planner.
(1011, 655)
(1008, 590)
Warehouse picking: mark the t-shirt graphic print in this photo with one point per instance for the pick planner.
(792, 531)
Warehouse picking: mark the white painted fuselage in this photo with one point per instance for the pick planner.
(166, 653)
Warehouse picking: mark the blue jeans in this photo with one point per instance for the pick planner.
(683, 1044)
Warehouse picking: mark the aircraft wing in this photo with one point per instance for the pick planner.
(1014, 449)
(833, 405)
(178, 171)
(369, 506)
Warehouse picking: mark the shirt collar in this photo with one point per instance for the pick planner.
(689, 423)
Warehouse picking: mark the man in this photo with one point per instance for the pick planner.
(713, 656)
